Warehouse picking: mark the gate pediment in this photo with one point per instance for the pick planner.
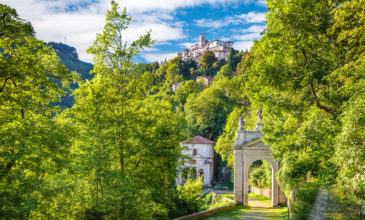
(246, 139)
(253, 145)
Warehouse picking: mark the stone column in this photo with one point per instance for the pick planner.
(178, 179)
(245, 182)
(275, 186)
(238, 190)
(281, 194)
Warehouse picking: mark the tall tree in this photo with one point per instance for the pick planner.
(234, 57)
(128, 138)
(207, 60)
(102, 108)
(33, 144)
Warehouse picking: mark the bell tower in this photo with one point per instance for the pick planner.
(202, 39)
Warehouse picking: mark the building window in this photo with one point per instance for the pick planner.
(185, 172)
(192, 173)
(195, 151)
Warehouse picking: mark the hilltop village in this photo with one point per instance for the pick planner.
(219, 48)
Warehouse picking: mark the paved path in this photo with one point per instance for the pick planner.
(320, 206)
(258, 208)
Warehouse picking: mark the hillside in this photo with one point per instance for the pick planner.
(70, 58)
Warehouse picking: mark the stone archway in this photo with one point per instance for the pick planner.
(248, 147)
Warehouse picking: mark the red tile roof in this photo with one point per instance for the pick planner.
(198, 140)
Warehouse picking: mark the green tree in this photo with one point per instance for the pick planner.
(225, 71)
(225, 141)
(207, 60)
(102, 110)
(186, 89)
(191, 189)
(188, 67)
(128, 137)
(350, 147)
(173, 73)
(234, 57)
(33, 144)
(207, 111)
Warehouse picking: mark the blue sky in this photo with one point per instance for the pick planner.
(175, 24)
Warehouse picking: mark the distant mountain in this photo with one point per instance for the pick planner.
(70, 58)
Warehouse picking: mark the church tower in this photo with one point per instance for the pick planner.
(202, 39)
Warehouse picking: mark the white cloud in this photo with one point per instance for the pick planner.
(151, 49)
(79, 20)
(160, 31)
(54, 21)
(250, 36)
(209, 23)
(251, 17)
(246, 36)
(243, 45)
(187, 44)
(257, 2)
(253, 29)
(160, 57)
(169, 5)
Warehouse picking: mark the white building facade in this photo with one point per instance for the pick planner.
(199, 160)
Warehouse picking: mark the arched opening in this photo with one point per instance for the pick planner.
(184, 175)
(192, 173)
(260, 187)
(201, 172)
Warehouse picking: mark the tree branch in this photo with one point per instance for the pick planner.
(319, 105)
(3, 87)
(305, 56)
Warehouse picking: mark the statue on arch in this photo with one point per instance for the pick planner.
(259, 116)
(240, 124)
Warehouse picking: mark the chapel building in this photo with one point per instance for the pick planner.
(199, 153)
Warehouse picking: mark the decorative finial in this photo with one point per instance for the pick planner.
(240, 124)
(259, 116)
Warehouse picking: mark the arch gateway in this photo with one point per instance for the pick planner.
(248, 148)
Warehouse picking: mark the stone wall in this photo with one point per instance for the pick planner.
(264, 192)
(267, 193)
(282, 198)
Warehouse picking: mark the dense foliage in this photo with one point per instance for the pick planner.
(115, 152)
(112, 155)
(33, 144)
(307, 74)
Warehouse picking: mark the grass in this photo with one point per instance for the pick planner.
(263, 199)
(229, 196)
(218, 204)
